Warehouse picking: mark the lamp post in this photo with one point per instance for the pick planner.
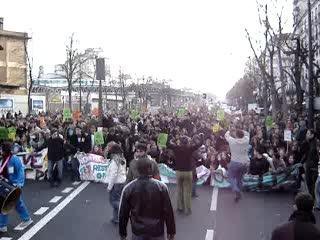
(310, 70)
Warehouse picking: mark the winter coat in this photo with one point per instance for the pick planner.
(301, 226)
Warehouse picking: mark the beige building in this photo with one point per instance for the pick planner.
(13, 64)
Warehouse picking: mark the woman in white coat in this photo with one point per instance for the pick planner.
(116, 175)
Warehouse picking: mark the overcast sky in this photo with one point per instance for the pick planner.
(199, 44)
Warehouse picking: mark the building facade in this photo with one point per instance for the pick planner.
(13, 70)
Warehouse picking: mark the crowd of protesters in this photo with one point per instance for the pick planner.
(189, 137)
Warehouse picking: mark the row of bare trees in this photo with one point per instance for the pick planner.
(278, 62)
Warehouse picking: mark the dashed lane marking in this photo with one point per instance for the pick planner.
(40, 211)
(209, 235)
(22, 226)
(214, 199)
(55, 199)
(5, 238)
(76, 183)
(39, 225)
(67, 190)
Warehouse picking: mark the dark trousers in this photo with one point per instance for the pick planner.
(75, 175)
(114, 199)
(311, 174)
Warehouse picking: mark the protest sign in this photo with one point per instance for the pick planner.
(93, 167)
(66, 114)
(269, 122)
(181, 112)
(98, 138)
(134, 115)
(12, 133)
(3, 133)
(162, 140)
(76, 115)
(287, 135)
(216, 128)
(220, 115)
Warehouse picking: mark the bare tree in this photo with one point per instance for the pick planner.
(70, 67)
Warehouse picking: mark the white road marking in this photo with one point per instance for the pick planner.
(5, 238)
(41, 211)
(39, 225)
(20, 228)
(209, 235)
(76, 183)
(67, 190)
(214, 199)
(55, 199)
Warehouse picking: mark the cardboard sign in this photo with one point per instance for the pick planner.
(98, 138)
(269, 122)
(287, 135)
(216, 128)
(134, 115)
(66, 114)
(76, 116)
(162, 140)
(181, 112)
(220, 115)
(12, 133)
(3, 133)
(95, 112)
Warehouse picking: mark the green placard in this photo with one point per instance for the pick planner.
(98, 138)
(67, 114)
(3, 133)
(220, 115)
(181, 112)
(269, 122)
(162, 140)
(12, 133)
(134, 115)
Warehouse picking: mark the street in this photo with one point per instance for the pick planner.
(83, 212)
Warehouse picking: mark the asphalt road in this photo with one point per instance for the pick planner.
(84, 213)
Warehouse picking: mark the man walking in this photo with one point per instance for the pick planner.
(146, 202)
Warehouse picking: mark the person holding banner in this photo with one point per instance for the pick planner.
(13, 170)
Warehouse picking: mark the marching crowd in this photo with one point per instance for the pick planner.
(243, 143)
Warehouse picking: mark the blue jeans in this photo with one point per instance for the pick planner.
(114, 199)
(317, 192)
(21, 210)
(236, 170)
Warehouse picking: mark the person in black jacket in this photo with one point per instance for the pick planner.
(55, 157)
(311, 160)
(302, 222)
(146, 202)
(184, 166)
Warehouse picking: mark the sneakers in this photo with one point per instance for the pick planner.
(238, 197)
(3, 229)
(25, 224)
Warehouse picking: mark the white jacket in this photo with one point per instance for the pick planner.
(239, 147)
(116, 172)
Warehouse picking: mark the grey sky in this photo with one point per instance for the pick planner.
(198, 44)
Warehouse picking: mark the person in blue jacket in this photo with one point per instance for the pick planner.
(14, 172)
